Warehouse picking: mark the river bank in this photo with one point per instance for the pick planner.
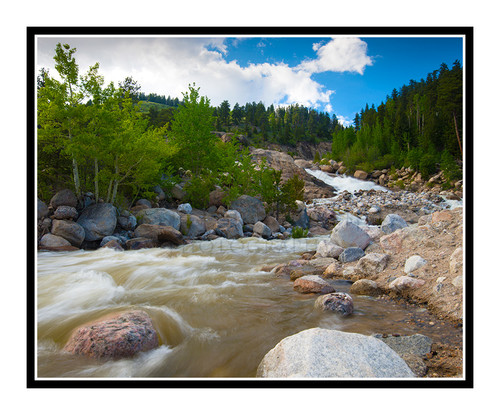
(431, 295)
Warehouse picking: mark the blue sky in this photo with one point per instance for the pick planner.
(337, 75)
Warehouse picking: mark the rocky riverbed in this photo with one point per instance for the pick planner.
(394, 245)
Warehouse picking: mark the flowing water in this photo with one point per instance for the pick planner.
(215, 312)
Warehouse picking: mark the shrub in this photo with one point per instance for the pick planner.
(298, 232)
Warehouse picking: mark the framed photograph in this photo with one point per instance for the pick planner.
(250, 207)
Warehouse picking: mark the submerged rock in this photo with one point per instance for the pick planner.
(322, 353)
(338, 302)
(115, 336)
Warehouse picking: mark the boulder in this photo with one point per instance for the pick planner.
(69, 230)
(234, 214)
(413, 263)
(416, 344)
(334, 270)
(351, 254)
(159, 216)
(115, 336)
(365, 287)
(328, 249)
(159, 192)
(229, 228)
(64, 197)
(113, 244)
(251, 209)
(178, 192)
(393, 222)
(66, 212)
(42, 210)
(215, 197)
(303, 219)
(192, 226)
(371, 264)
(185, 208)
(322, 353)
(327, 168)
(338, 302)
(347, 234)
(98, 220)
(140, 243)
(360, 174)
(405, 283)
(442, 216)
(260, 228)
(127, 221)
(144, 202)
(312, 284)
(159, 233)
(272, 223)
(50, 241)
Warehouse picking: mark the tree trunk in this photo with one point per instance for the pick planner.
(456, 131)
(115, 185)
(96, 180)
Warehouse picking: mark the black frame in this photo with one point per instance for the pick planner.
(32, 382)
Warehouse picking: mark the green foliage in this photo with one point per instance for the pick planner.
(427, 165)
(298, 232)
(451, 169)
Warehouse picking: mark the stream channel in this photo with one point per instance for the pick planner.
(216, 313)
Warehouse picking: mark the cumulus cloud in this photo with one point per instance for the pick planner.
(339, 55)
(166, 65)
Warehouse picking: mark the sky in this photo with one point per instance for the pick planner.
(338, 75)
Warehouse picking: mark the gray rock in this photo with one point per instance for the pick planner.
(272, 223)
(64, 197)
(185, 208)
(69, 230)
(178, 192)
(321, 353)
(229, 228)
(351, 254)
(192, 226)
(365, 287)
(66, 212)
(42, 210)
(235, 215)
(347, 234)
(110, 238)
(260, 228)
(251, 209)
(98, 221)
(393, 222)
(303, 220)
(405, 283)
(416, 344)
(53, 241)
(372, 264)
(338, 302)
(327, 249)
(160, 193)
(127, 221)
(144, 202)
(159, 216)
(413, 263)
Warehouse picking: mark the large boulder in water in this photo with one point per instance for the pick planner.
(322, 353)
(159, 216)
(114, 336)
(69, 230)
(251, 209)
(98, 220)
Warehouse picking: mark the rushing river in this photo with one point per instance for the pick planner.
(215, 312)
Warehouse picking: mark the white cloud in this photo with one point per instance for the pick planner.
(346, 122)
(339, 55)
(167, 65)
